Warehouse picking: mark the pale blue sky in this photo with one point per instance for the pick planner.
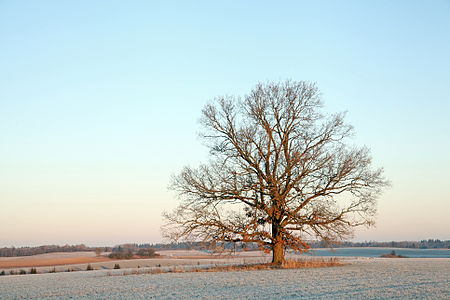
(99, 102)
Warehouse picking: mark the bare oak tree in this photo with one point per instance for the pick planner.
(281, 173)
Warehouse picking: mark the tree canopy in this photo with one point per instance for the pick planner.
(281, 172)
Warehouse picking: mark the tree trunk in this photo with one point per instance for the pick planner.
(278, 245)
(278, 253)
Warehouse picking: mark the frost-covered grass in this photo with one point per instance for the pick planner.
(361, 278)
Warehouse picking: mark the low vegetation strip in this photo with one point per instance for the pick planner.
(289, 264)
(211, 267)
(392, 255)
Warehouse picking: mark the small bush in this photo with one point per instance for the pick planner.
(2, 273)
(12, 272)
(98, 251)
(121, 254)
(147, 252)
(33, 271)
(22, 272)
(116, 266)
(89, 267)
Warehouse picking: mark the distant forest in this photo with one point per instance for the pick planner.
(27, 251)
(424, 244)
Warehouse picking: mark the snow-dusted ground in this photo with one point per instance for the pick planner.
(361, 278)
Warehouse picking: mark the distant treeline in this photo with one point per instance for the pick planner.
(130, 250)
(138, 249)
(26, 251)
(423, 244)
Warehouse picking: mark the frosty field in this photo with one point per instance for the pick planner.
(361, 278)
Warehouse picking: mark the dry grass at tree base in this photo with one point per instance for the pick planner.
(288, 264)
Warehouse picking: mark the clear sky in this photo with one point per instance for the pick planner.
(100, 100)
